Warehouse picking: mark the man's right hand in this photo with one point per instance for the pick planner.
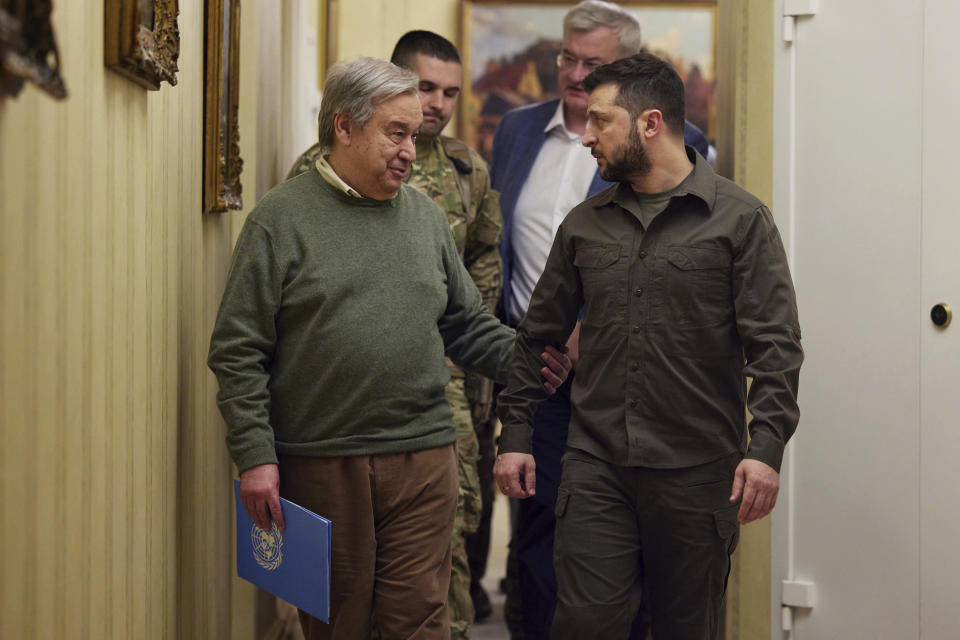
(260, 495)
(509, 468)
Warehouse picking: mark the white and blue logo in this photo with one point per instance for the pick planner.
(267, 546)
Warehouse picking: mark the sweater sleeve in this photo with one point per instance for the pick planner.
(242, 346)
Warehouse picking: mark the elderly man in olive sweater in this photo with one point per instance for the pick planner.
(346, 292)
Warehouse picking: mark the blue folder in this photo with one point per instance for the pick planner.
(293, 564)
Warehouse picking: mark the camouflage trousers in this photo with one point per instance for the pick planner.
(469, 506)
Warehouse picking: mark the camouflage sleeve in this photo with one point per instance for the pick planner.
(482, 252)
(305, 162)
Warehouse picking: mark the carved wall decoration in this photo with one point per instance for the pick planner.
(28, 48)
(221, 150)
(142, 41)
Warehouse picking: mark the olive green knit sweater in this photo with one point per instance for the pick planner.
(334, 322)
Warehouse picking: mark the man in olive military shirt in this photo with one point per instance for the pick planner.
(455, 177)
(685, 291)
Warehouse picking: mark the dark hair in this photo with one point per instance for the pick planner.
(644, 81)
(426, 42)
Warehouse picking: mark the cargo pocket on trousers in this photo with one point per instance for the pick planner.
(726, 522)
(728, 528)
(561, 507)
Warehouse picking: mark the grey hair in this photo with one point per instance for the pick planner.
(355, 88)
(593, 14)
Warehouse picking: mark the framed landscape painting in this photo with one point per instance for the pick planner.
(509, 52)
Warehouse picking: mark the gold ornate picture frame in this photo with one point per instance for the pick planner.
(28, 48)
(142, 41)
(222, 163)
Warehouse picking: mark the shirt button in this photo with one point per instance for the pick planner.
(633, 404)
(639, 292)
(635, 367)
(643, 255)
(636, 328)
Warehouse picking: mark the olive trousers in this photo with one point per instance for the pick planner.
(625, 532)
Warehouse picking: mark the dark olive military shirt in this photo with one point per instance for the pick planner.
(676, 315)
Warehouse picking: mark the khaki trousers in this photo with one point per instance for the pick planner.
(392, 519)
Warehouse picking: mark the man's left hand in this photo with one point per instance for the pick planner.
(759, 483)
(557, 369)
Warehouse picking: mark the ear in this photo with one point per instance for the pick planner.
(343, 128)
(650, 123)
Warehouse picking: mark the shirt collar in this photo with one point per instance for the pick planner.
(701, 183)
(558, 120)
(323, 166)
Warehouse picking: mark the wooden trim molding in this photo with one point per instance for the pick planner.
(142, 41)
(28, 48)
(745, 155)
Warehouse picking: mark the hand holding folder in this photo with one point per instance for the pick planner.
(293, 564)
(260, 494)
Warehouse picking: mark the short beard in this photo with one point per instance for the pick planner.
(431, 135)
(629, 160)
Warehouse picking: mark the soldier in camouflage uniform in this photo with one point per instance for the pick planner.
(456, 178)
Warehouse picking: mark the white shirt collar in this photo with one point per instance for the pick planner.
(558, 120)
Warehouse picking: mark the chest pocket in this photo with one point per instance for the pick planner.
(697, 281)
(602, 274)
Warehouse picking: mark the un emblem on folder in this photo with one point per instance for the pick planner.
(267, 546)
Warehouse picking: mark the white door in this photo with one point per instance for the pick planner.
(867, 142)
(940, 348)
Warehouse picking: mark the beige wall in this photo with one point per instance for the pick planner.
(372, 27)
(113, 464)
